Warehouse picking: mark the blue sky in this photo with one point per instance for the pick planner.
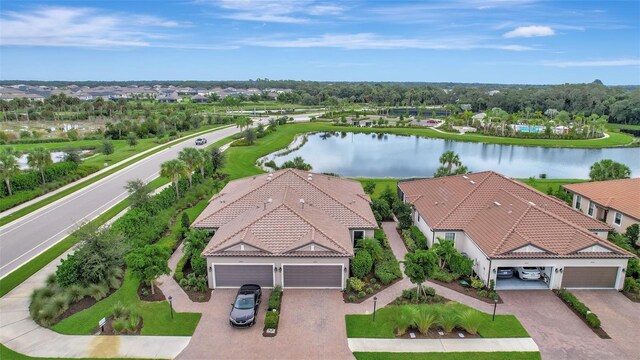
(497, 41)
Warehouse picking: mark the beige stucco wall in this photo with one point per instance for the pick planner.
(584, 208)
(277, 262)
(624, 224)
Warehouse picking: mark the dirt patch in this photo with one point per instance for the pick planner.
(632, 297)
(368, 284)
(469, 291)
(599, 331)
(143, 290)
(435, 334)
(108, 328)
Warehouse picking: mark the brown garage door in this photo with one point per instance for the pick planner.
(238, 275)
(589, 277)
(312, 276)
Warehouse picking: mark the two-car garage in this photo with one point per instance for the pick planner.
(301, 276)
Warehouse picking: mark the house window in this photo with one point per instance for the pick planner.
(417, 216)
(578, 201)
(617, 219)
(591, 208)
(450, 236)
(358, 235)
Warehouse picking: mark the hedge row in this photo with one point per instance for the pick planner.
(31, 179)
(582, 309)
(37, 140)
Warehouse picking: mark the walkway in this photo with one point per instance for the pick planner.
(442, 345)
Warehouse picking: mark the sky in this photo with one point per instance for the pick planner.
(483, 41)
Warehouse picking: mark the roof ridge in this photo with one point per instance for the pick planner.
(511, 230)
(315, 227)
(336, 200)
(529, 243)
(462, 200)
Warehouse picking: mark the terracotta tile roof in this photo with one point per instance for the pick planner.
(622, 195)
(242, 214)
(502, 216)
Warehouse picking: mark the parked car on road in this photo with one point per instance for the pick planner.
(201, 141)
(245, 308)
(527, 273)
(505, 273)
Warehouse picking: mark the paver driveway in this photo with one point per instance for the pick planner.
(311, 327)
(559, 333)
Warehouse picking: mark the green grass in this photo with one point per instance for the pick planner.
(623, 126)
(544, 185)
(381, 184)
(156, 316)
(8, 354)
(448, 356)
(28, 209)
(363, 326)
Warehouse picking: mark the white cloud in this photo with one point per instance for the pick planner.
(361, 41)
(594, 63)
(83, 27)
(276, 11)
(530, 31)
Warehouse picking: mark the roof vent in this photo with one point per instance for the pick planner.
(532, 203)
(465, 176)
(471, 181)
(221, 201)
(269, 177)
(310, 177)
(302, 203)
(496, 203)
(269, 201)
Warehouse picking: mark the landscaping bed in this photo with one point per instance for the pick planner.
(371, 282)
(466, 290)
(582, 311)
(272, 316)
(412, 296)
(145, 293)
(108, 328)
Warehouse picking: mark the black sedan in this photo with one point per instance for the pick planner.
(245, 308)
(505, 273)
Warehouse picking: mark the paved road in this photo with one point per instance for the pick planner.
(28, 236)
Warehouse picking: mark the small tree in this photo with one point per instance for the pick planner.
(369, 187)
(217, 158)
(8, 166)
(132, 139)
(361, 264)
(609, 170)
(451, 165)
(138, 193)
(107, 148)
(39, 158)
(149, 263)
(174, 170)
(192, 159)
(296, 163)
(250, 136)
(632, 234)
(420, 265)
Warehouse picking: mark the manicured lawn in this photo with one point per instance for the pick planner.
(448, 356)
(363, 326)
(26, 210)
(381, 184)
(156, 316)
(543, 185)
(623, 126)
(8, 354)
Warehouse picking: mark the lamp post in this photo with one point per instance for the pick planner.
(375, 299)
(170, 306)
(495, 304)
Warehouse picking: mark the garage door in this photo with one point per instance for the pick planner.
(238, 275)
(589, 277)
(312, 276)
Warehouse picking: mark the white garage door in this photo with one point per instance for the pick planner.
(237, 275)
(312, 276)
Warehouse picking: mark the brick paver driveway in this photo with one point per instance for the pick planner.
(311, 327)
(559, 333)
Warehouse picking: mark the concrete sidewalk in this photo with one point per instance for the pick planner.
(442, 345)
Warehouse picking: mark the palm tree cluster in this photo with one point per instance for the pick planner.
(189, 160)
(451, 165)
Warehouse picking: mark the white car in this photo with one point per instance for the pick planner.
(527, 273)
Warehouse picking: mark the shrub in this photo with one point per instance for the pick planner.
(373, 280)
(407, 294)
(59, 302)
(75, 293)
(425, 318)
(97, 291)
(275, 298)
(118, 325)
(470, 320)
(592, 320)
(356, 284)
(271, 320)
(382, 207)
(119, 310)
(68, 272)
(113, 282)
(430, 291)
(361, 294)
(447, 319)
(352, 298)
(369, 290)
(200, 298)
(373, 247)
(361, 264)
(405, 320)
(476, 283)
(461, 264)
(483, 293)
(444, 276)
(388, 270)
(408, 240)
(144, 292)
(571, 300)
(418, 237)
(132, 323)
(493, 295)
(376, 286)
(631, 285)
(51, 280)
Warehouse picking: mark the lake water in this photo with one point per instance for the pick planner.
(386, 155)
(56, 157)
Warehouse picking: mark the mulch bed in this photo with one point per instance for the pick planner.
(266, 302)
(84, 303)
(367, 279)
(469, 291)
(632, 297)
(158, 296)
(599, 331)
(430, 300)
(193, 295)
(108, 329)
(433, 334)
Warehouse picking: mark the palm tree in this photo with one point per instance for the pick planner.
(39, 158)
(192, 160)
(174, 170)
(205, 158)
(609, 170)
(243, 122)
(8, 167)
(449, 159)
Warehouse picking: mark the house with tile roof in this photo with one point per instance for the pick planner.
(290, 228)
(501, 223)
(614, 202)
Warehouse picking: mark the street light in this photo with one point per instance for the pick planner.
(170, 306)
(495, 304)
(375, 299)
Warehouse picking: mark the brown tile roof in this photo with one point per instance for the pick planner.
(242, 214)
(622, 195)
(501, 216)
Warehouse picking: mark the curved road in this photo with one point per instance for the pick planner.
(25, 238)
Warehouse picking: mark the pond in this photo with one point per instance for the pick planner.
(387, 155)
(56, 157)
